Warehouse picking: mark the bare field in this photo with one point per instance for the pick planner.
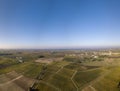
(14, 82)
(48, 60)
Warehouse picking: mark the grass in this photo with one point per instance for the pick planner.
(51, 70)
(44, 87)
(82, 78)
(17, 67)
(110, 81)
(33, 70)
(28, 69)
(60, 63)
(74, 66)
(62, 82)
(66, 72)
(62, 79)
(79, 66)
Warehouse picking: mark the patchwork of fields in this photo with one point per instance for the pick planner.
(13, 81)
(59, 75)
(68, 76)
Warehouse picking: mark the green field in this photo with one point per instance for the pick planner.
(64, 75)
(66, 72)
(62, 82)
(46, 87)
(110, 81)
(82, 78)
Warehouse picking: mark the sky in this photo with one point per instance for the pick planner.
(42, 24)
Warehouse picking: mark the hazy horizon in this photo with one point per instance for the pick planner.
(57, 24)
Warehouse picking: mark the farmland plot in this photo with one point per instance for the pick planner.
(14, 82)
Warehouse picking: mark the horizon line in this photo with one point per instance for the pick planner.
(60, 48)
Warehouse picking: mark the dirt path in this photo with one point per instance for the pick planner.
(89, 85)
(41, 81)
(60, 69)
(89, 88)
(93, 89)
(90, 70)
(11, 80)
(10, 85)
(73, 80)
(50, 85)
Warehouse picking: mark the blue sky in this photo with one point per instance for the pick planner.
(59, 23)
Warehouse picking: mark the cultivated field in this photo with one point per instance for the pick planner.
(58, 72)
(14, 82)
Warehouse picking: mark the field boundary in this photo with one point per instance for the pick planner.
(50, 85)
(73, 80)
(11, 80)
(94, 81)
